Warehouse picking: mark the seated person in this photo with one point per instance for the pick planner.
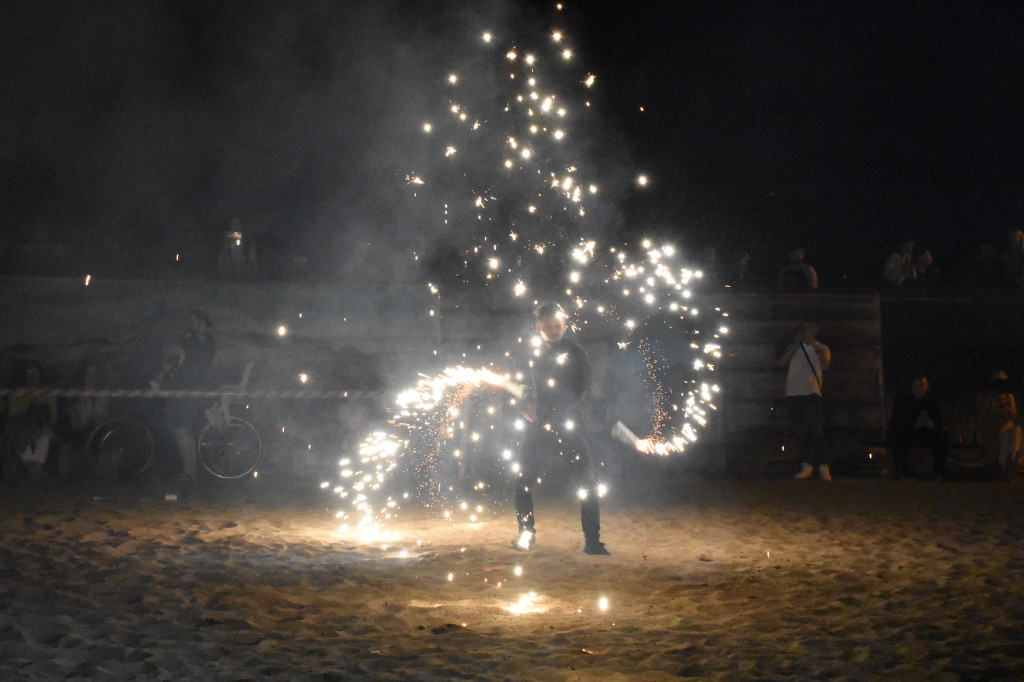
(999, 432)
(916, 424)
(31, 418)
(79, 415)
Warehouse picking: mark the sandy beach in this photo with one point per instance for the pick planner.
(861, 579)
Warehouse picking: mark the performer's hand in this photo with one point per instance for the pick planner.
(530, 413)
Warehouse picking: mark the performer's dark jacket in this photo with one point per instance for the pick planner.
(561, 375)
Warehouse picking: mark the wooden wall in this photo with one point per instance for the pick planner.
(756, 440)
(381, 337)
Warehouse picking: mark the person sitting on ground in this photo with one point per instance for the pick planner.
(797, 276)
(78, 417)
(916, 424)
(31, 419)
(999, 431)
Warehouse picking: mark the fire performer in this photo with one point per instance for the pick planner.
(554, 411)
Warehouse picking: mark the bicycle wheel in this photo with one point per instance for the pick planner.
(232, 451)
(122, 447)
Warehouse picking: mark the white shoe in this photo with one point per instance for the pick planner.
(824, 473)
(805, 472)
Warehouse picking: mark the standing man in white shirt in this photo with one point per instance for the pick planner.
(806, 359)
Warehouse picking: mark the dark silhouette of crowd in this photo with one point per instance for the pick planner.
(910, 269)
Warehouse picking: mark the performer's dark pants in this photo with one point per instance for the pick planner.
(809, 424)
(540, 446)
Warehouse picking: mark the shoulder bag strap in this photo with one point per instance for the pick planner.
(813, 370)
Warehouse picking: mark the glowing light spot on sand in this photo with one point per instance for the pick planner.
(453, 79)
(303, 377)
(518, 570)
(282, 330)
(602, 603)
(642, 180)
(487, 37)
(528, 603)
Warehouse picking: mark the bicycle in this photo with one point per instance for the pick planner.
(229, 446)
(124, 446)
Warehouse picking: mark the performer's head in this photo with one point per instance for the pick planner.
(550, 322)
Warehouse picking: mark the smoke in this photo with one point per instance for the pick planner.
(154, 124)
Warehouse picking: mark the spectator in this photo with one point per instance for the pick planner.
(237, 259)
(899, 270)
(999, 431)
(31, 418)
(749, 275)
(805, 359)
(926, 274)
(711, 268)
(184, 368)
(85, 412)
(79, 416)
(914, 425)
(797, 276)
(985, 270)
(1013, 259)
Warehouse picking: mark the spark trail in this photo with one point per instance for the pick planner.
(507, 179)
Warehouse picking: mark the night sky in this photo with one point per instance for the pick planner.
(841, 127)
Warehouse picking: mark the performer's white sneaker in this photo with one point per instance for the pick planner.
(824, 473)
(524, 542)
(805, 472)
